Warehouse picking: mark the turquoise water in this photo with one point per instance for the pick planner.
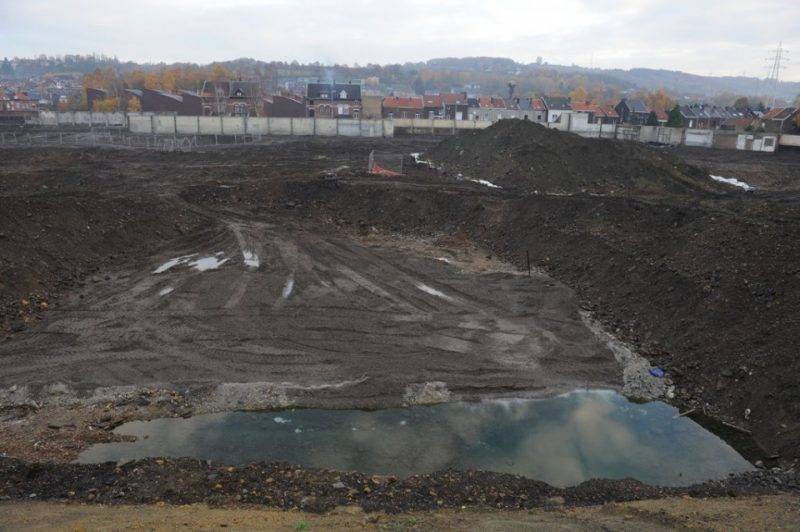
(563, 441)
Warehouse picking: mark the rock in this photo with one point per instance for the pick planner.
(339, 485)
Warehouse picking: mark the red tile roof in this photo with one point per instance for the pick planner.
(407, 103)
(772, 113)
(584, 107)
(489, 102)
(432, 100)
(537, 104)
(609, 110)
(662, 115)
(453, 99)
(738, 122)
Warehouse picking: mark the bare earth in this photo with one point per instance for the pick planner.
(771, 513)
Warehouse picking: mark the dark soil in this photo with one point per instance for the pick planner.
(187, 481)
(529, 157)
(703, 279)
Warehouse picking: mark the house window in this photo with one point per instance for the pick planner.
(391, 115)
(416, 115)
(405, 114)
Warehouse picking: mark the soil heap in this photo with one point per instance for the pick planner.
(529, 157)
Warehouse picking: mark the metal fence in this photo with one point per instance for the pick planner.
(122, 138)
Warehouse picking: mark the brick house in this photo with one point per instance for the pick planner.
(232, 98)
(633, 112)
(397, 107)
(333, 100)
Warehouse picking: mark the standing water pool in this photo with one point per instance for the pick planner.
(562, 441)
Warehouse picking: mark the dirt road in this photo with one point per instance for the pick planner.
(752, 514)
(329, 321)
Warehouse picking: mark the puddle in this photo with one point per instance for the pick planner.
(562, 441)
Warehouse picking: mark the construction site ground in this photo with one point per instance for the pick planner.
(138, 284)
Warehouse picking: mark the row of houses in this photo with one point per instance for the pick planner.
(347, 100)
(16, 106)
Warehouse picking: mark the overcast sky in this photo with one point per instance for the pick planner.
(719, 37)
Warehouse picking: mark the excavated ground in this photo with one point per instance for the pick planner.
(372, 291)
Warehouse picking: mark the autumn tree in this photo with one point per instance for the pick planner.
(657, 100)
(134, 105)
(106, 105)
(580, 94)
(219, 72)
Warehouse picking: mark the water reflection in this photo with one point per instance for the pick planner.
(562, 441)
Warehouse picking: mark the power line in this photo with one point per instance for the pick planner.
(775, 63)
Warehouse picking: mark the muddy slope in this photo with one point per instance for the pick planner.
(707, 286)
(529, 157)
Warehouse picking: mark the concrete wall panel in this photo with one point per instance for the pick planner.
(703, 138)
(210, 125)
(163, 125)
(280, 126)
(115, 119)
(348, 128)
(187, 125)
(140, 125)
(790, 140)
(627, 133)
(257, 126)
(372, 128)
(233, 125)
(305, 126)
(82, 118)
(48, 118)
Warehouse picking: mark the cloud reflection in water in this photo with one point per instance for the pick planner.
(562, 441)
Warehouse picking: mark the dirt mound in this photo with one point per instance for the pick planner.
(529, 157)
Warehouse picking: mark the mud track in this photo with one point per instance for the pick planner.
(323, 318)
(350, 304)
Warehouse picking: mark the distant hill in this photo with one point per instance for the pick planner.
(491, 74)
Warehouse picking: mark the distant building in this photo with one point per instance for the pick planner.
(371, 105)
(490, 108)
(455, 106)
(164, 102)
(432, 106)
(95, 95)
(333, 100)
(284, 106)
(232, 98)
(556, 107)
(397, 107)
(15, 107)
(779, 120)
(633, 112)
